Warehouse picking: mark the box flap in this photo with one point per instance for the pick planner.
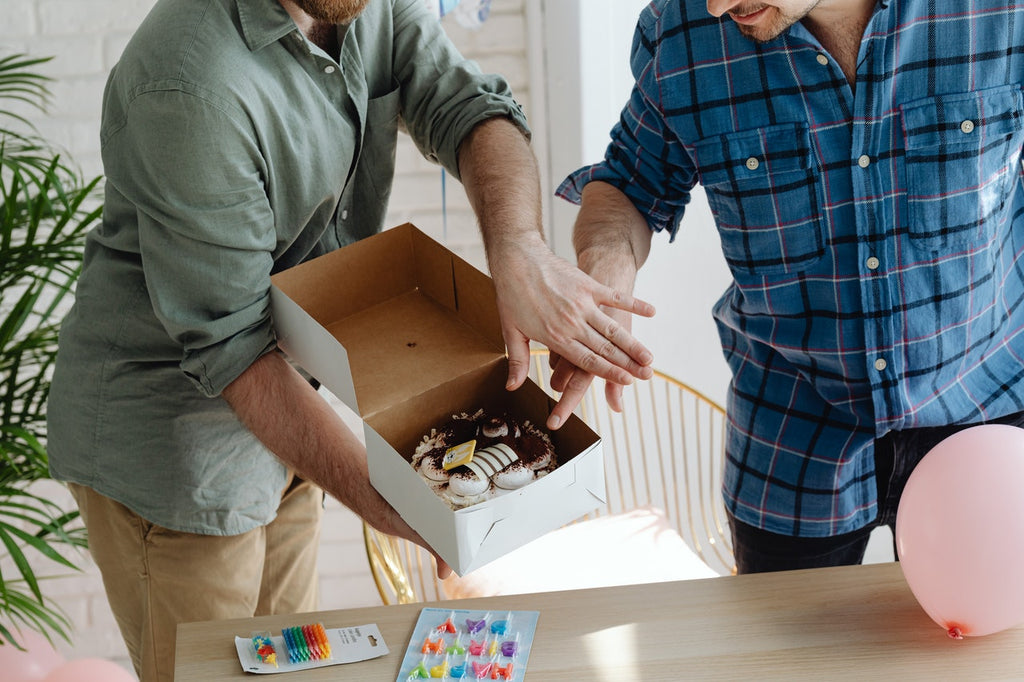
(411, 331)
(404, 314)
(300, 336)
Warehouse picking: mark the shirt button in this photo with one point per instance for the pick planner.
(344, 213)
(881, 364)
(822, 59)
(864, 161)
(329, 68)
(967, 126)
(753, 163)
(872, 263)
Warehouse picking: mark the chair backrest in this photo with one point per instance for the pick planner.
(665, 449)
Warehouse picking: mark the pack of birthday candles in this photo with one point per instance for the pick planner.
(308, 646)
(469, 645)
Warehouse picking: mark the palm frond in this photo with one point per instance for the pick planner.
(19, 606)
(20, 82)
(46, 207)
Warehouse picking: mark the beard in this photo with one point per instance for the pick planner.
(332, 11)
(773, 23)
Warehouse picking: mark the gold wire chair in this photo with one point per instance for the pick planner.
(666, 449)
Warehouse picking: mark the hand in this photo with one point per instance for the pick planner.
(304, 431)
(572, 383)
(544, 298)
(612, 241)
(387, 520)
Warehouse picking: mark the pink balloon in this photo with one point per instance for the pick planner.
(34, 663)
(89, 670)
(960, 531)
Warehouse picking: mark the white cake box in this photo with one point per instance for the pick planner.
(407, 334)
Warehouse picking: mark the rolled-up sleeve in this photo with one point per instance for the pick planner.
(644, 160)
(206, 232)
(443, 95)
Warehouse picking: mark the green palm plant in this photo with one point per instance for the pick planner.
(45, 209)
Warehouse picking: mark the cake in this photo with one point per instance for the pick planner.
(477, 457)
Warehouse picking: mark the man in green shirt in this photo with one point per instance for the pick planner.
(241, 137)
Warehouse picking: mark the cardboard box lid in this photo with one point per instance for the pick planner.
(407, 313)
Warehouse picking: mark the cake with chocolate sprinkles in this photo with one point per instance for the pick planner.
(476, 457)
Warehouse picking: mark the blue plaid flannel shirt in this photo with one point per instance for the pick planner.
(875, 236)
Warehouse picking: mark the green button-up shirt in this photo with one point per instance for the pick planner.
(233, 148)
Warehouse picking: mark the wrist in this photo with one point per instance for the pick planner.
(507, 249)
(610, 230)
(614, 266)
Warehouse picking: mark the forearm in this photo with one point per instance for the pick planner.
(295, 423)
(542, 297)
(611, 238)
(499, 173)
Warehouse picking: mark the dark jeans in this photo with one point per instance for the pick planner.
(896, 455)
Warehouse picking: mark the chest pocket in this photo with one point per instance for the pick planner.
(364, 201)
(962, 163)
(380, 141)
(762, 188)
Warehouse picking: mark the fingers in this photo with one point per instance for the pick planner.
(616, 299)
(574, 387)
(620, 368)
(553, 359)
(614, 342)
(613, 395)
(563, 408)
(576, 317)
(518, 348)
(604, 347)
(571, 396)
(561, 373)
(443, 569)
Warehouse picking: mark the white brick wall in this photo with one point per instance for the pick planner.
(86, 38)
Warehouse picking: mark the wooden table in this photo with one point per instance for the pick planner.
(855, 622)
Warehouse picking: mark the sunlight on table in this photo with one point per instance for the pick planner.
(612, 651)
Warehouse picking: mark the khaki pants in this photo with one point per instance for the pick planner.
(156, 578)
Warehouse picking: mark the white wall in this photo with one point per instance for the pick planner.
(589, 81)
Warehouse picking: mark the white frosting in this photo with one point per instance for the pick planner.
(430, 469)
(426, 445)
(458, 502)
(515, 475)
(468, 485)
(495, 431)
(542, 462)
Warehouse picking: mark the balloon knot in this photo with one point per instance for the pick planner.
(954, 633)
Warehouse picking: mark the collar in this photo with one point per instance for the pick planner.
(797, 30)
(263, 22)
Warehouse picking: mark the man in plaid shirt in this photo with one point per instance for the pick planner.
(862, 159)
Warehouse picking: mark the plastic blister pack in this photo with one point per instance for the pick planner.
(462, 644)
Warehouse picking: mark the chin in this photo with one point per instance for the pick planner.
(767, 30)
(759, 35)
